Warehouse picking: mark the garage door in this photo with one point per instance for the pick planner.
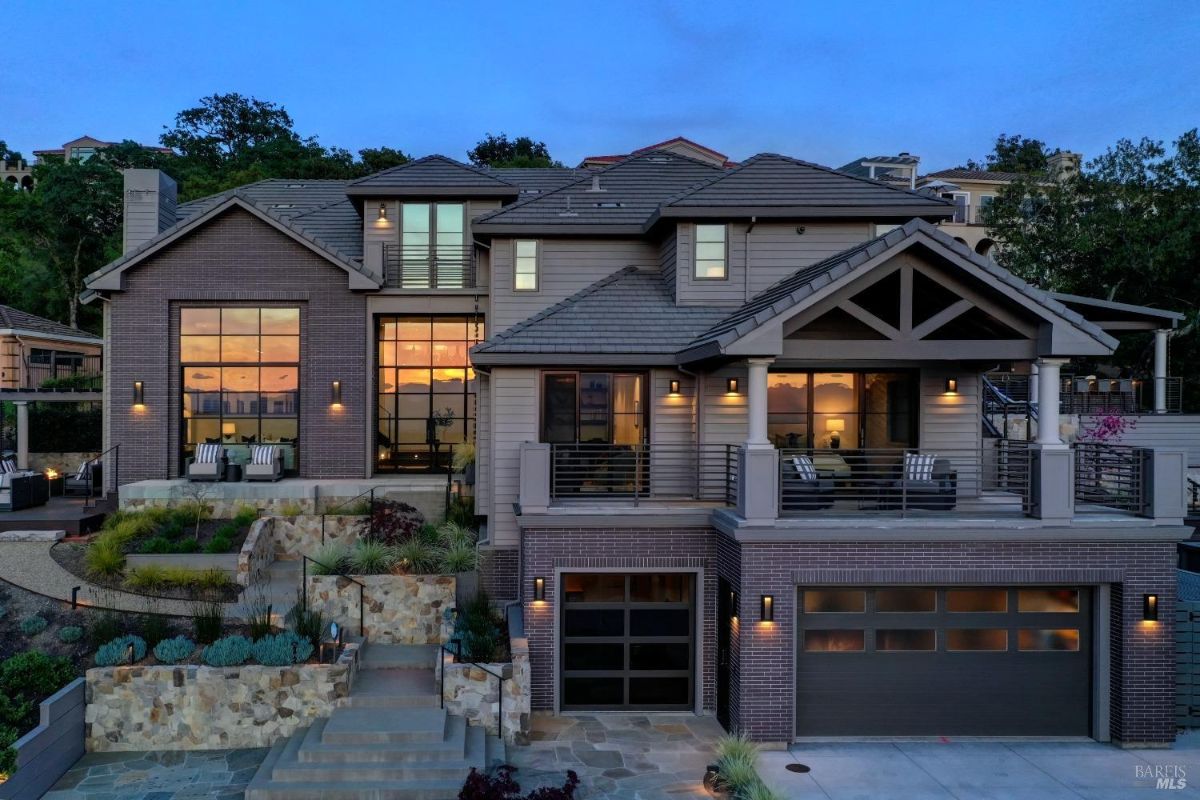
(981, 661)
(626, 641)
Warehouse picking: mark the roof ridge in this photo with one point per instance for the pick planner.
(431, 157)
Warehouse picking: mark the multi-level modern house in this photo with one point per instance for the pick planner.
(731, 454)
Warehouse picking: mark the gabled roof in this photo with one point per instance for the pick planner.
(304, 227)
(629, 197)
(1112, 315)
(24, 323)
(975, 175)
(630, 314)
(791, 292)
(675, 144)
(769, 184)
(432, 176)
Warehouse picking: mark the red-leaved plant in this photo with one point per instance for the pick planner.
(393, 522)
(499, 785)
(1105, 427)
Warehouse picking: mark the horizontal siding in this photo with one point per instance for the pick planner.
(514, 419)
(723, 417)
(668, 257)
(483, 446)
(672, 432)
(1164, 430)
(567, 266)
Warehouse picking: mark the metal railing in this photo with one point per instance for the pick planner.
(429, 267)
(362, 606)
(64, 374)
(370, 494)
(643, 472)
(1004, 401)
(991, 480)
(1109, 477)
(456, 655)
(1079, 394)
(1193, 492)
(89, 501)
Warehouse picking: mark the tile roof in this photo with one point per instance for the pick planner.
(24, 322)
(975, 175)
(629, 313)
(676, 141)
(435, 172)
(858, 166)
(631, 193)
(769, 180)
(543, 179)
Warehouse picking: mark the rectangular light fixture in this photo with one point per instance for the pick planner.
(383, 212)
(951, 385)
(336, 394)
(731, 385)
(539, 589)
(767, 608)
(139, 393)
(1150, 607)
(674, 387)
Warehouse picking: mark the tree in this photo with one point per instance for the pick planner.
(1014, 153)
(1127, 228)
(377, 159)
(500, 151)
(226, 126)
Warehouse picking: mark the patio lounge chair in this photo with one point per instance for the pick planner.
(803, 487)
(208, 464)
(88, 480)
(266, 463)
(926, 482)
(21, 488)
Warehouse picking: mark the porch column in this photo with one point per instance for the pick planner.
(22, 434)
(1049, 383)
(1034, 379)
(756, 402)
(1160, 371)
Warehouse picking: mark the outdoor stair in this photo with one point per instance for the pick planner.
(390, 742)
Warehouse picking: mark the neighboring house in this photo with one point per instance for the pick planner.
(900, 169)
(679, 146)
(16, 174)
(20, 173)
(34, 350)
(729, 431)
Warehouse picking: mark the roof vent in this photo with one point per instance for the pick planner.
(283, 205)
(531, 191)
(568, 212)
(295, 186)
(660, 159)
(610, 204)
(596, 184)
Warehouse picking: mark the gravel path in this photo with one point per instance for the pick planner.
(30, 566)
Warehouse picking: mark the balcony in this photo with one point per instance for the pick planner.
(1083, 395)
(440, 267)
(76, 373)
(643, 473)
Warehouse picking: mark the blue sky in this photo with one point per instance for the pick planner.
(823, 81)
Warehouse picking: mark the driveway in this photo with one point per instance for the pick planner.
(971, 770)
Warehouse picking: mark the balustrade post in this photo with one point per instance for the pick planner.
(1164, 485)
(1052, 483)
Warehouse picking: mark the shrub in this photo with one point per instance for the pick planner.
(188, 545)
(732, 747)
(464, 456)
(461, 512)
(174, 651)
(330, 559)
(394, 522)
(70, 634)
(499, 785)
(479, 629)
(154, 629)
(146, 579)
(291, 510)
(372, 558)
(157, 544)
(207, 621)
(737, 758)
(153, 577)
(418, 558)
(117, 651)
(219, 544)
(8, 754)
(32, 626)
(282, 649)
(759, 791)
(258, 618)
(244, 516)
(459, 559)
(428, 535)
(451, 534)
(228, 652)
(306, 622)
(104, 628)
(31, 677)
(104, 558)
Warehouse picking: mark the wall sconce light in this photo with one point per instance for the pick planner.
(1150, 607)
(383, 212)
(139, 393)
(731, 385)
(951, 385)
(767, 608)
(733, 606)
(539, 589)
(674, 387)
(336, 394)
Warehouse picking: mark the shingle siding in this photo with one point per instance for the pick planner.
(236, 260)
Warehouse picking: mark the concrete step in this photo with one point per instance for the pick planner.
(399, 656)
(394, 688)
(314, 750)
(375, 726)
(357, 790)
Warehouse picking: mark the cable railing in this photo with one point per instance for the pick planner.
(643, 472)
(991, 480)
(429, 266)
(1109, 477)
(1081, 394)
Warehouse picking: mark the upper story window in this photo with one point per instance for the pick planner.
(434, 250)
(525, 265)
(710, 260)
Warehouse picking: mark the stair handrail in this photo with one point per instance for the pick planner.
(370, 513)
(457, 654)
(116, 474)
(332, 571)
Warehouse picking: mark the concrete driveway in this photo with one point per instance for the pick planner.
(972, 770)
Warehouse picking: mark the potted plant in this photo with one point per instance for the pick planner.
(464, 462)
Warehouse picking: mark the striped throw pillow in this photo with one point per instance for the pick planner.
(84, 469)
(918, 466)
(7, 466)
(263, 454)
(207, 453)
(804, 468)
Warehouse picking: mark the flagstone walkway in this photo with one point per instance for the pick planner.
(159, 775)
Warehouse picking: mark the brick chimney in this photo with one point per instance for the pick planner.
(150, 204)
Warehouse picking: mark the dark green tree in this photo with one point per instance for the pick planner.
(1014, 153)
(500, 151)
(377, 159)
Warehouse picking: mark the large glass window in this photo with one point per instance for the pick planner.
(241, 379)
(841, 410)
(593, 408)
(433, 246)
(426, 389)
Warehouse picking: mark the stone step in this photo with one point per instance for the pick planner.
(394, 688)
(399, 656)
(314, 750)
(445, 789)
(373, 726)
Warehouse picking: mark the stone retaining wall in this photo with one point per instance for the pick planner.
(65, 463)
(258, 551)
(469, 691)
(397, 609)
(301, 536)
(205, 708)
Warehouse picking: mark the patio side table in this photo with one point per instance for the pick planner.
(233, 473)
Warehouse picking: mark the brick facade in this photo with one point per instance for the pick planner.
(499, 568)
(236, 260)
(762, 658)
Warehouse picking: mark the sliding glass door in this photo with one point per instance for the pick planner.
(842, 410)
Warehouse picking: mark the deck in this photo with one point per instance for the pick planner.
(68, 514)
